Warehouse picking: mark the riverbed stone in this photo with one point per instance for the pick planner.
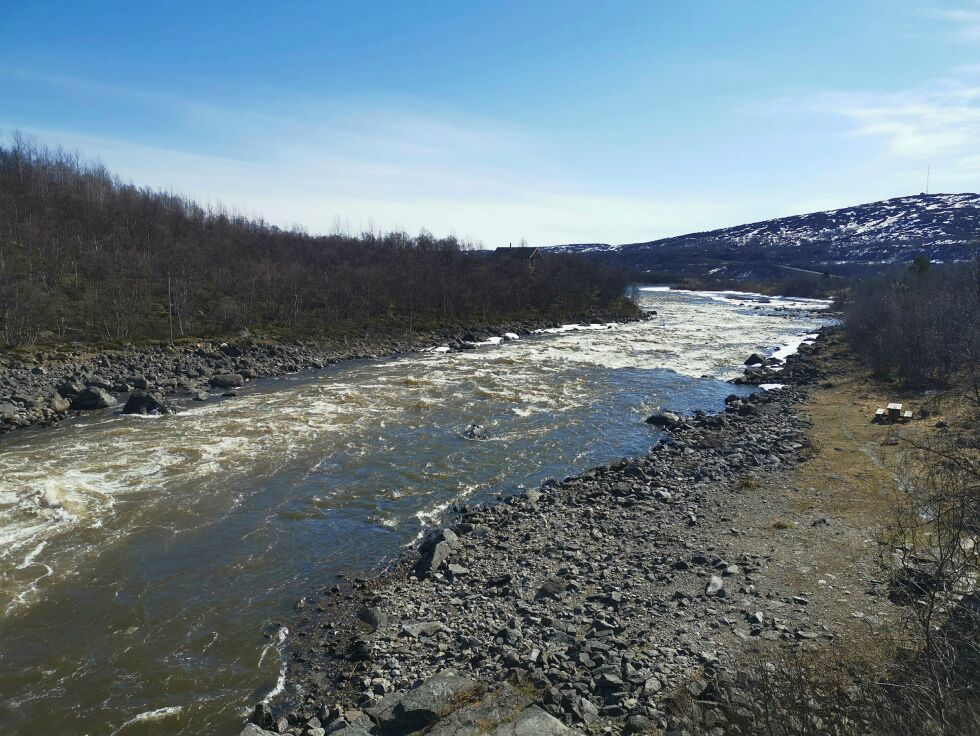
(93, 397)
(227, 380)
(147, 402)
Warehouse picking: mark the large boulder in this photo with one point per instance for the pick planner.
(228, 380)
(252, 730)
(664, 419)
(504, 704)
(138, 382)
(60, 406)
(147, 402)
(532, 722)
(432, 560)
(68, 389)
(424, 706)
(435, 550)
(91, 398)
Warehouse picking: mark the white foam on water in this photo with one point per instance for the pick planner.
(280, 637)
(575, 327)
(771, 386)
(793, 345)
(747, 297)
(151, 715)
(110, 473)
(31, 556)
(276, 644)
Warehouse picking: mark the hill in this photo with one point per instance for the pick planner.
(943, 227)
(87, 258)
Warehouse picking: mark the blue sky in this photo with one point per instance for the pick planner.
(495, 121)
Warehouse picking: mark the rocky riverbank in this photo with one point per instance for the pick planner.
(586, 604)
(46, 387)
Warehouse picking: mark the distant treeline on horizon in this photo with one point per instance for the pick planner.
(86, 257)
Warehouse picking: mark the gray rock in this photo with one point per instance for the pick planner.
(422, 628)
(146, 402)
(227, 380)
(373, 617)
(433, 559)
(552, 587)
(499, 706)
(60, 405)
(716, 586)
(532, 722)
(664, 419)
(92, 398)
(252, 730)
(424, 706)
(69, 389)
(638, 724)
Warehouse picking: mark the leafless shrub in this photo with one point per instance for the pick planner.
(919, 326)
(84, 256)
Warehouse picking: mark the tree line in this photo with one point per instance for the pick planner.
(87, 257)
(919, 325)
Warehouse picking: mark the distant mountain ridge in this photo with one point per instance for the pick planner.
(943, 227)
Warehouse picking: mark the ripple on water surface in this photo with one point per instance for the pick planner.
(141, 560)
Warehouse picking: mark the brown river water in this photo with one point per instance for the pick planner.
(149, 566)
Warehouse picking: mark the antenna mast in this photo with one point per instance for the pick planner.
(928, 171)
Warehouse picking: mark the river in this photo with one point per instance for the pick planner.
(146, 564)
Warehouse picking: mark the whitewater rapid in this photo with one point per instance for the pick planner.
(153, 552)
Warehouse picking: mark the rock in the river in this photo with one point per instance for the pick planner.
(755, 359)
(228, 380)
(475, 432)
(146, 402)
(92, 398)
(664, 419)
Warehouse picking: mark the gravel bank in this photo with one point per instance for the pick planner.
(600, 596)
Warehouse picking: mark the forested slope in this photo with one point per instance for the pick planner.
(86, 257)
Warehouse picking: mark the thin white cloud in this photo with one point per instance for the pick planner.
(964, 20)
(937, 125)
(307, 184)
(914, 123)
